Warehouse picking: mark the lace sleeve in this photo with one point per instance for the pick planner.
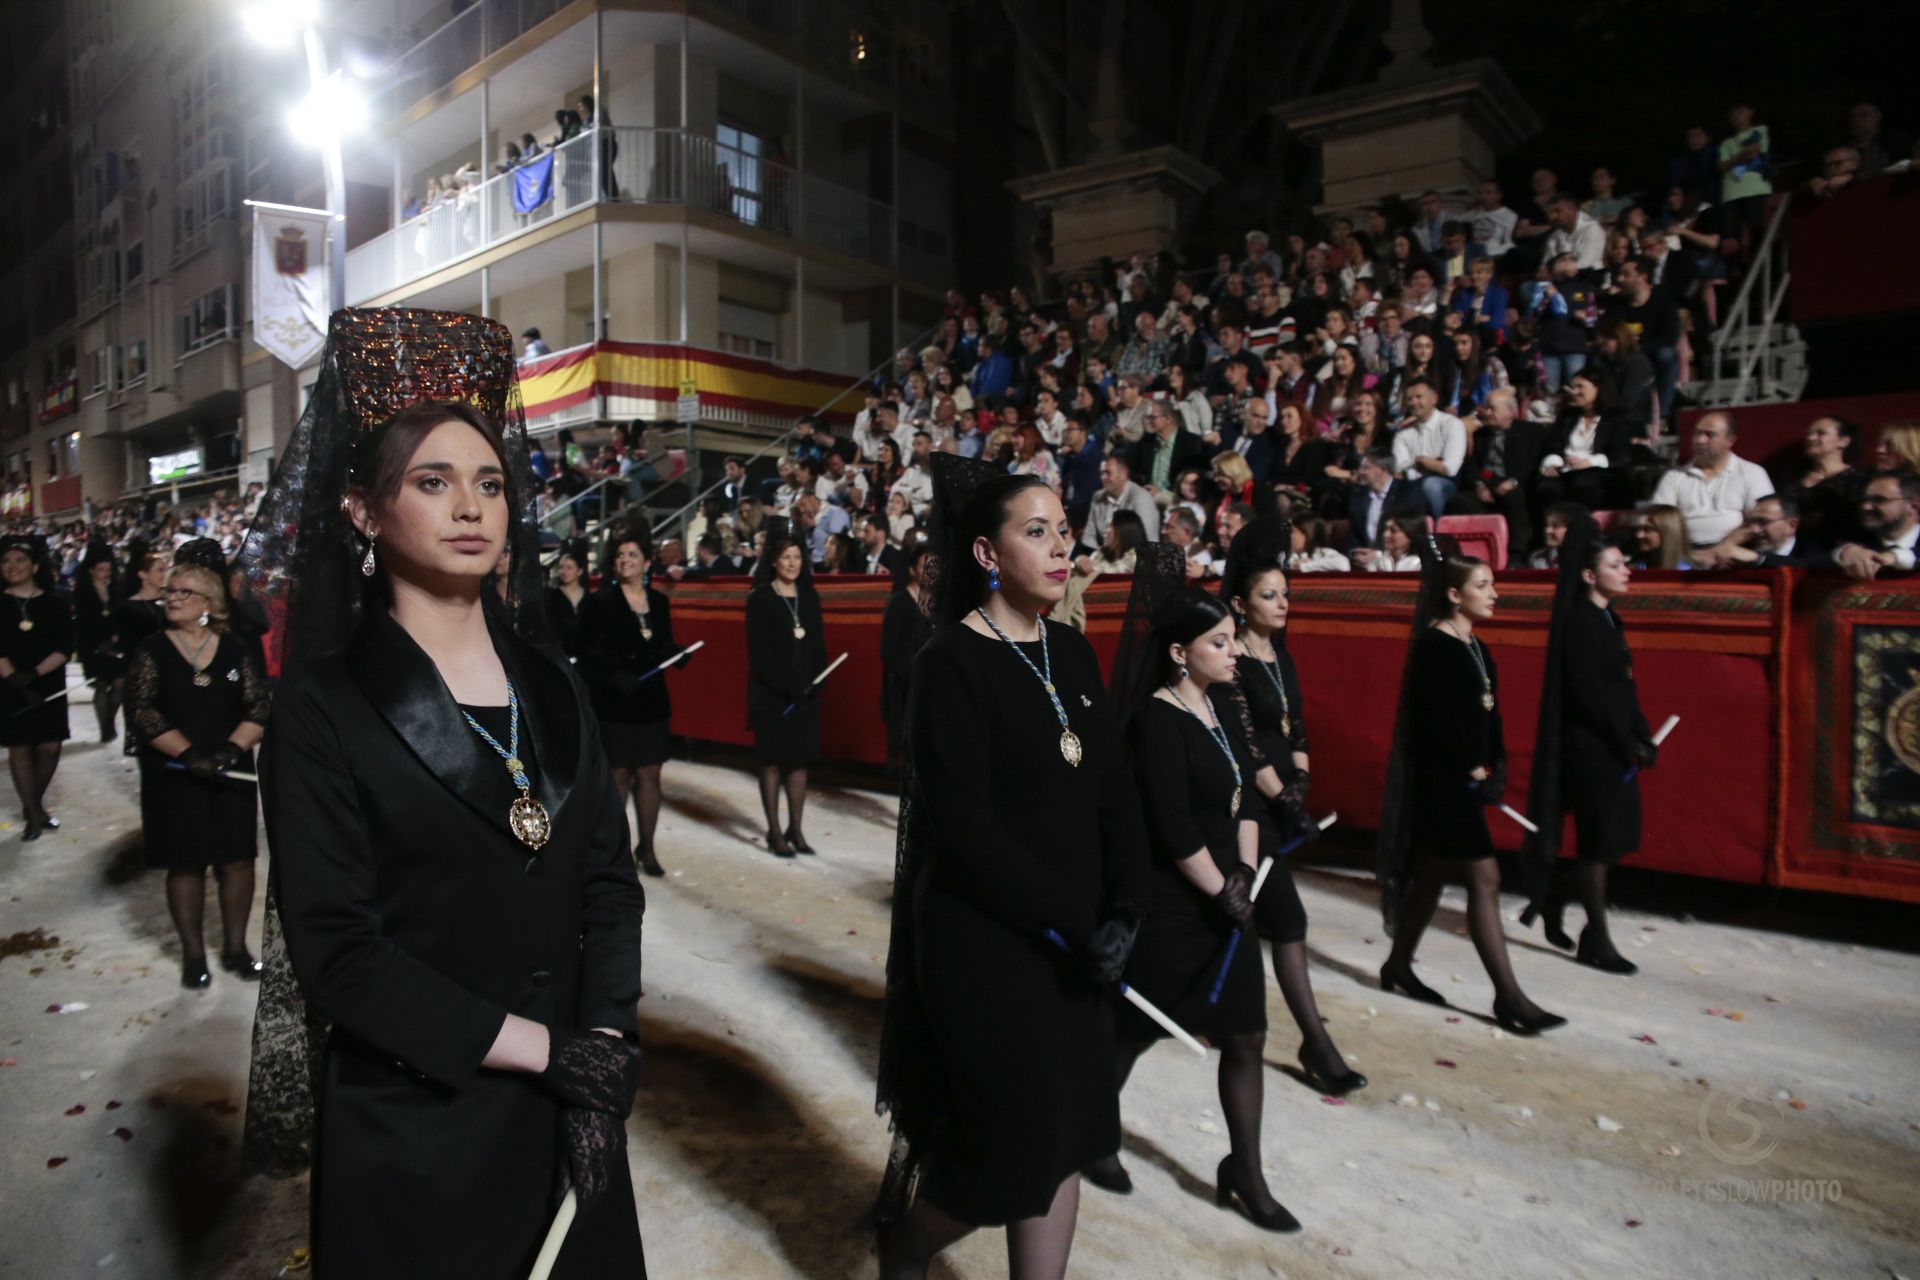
(144, 715)
(253, 690)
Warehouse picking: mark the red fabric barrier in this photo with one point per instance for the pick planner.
(1826, 241)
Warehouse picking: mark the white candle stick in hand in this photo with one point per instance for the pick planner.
(556, 1237)
(1660, 735)
(1520, 818)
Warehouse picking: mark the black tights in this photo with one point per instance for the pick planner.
(106, 705)
(32, 768)
(1589, 889)
(641, 784)
(1483, 925)
(1037, 1248)
(187, 903)
(1285, 919)
(1242, 1097)
(772, 777)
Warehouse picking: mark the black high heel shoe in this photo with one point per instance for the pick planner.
(1228, 1195)
(194, 975)
(240, 964)
(31, 831)
(1411, 987)
(50, 822)
(650, 863)
(1605, 959)
(777, 845)
(1108, 1174)
(798, 841)
(1333, 1086)
(1551, 915)
(1512, 1023)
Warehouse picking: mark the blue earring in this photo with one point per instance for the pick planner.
(993, 579)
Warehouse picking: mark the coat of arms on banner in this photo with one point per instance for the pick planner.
(290, 251)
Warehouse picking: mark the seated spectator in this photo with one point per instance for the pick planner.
(1340, 382)
(1492, 222)
(1419, 297)
(1473, 376)
(877, 555)
(1182, 529)
(1826, 487)
(1118, 493)
(1080, 458)
(842, 485)
(1295, 457)
(1457, 254)
(1122, 539)
(1554, 524)
(1480, 301)
(1889, 525)
(840, 555)
(1047, 418)
(1395, 553)
(1309, 551)
(1898, 447)
(1429, 450)
(1090, 406)
(1617, 358)
(1378, 495)
(1656, 319)
(1031, 457)
(1574, 232)
(916, 478)
(1838, 168)
(900, 518)
(991, 374)
(1604, 206)
(1772, 539)
(1384, 351)
(1505, 458)
(1588, 451)
(1717, 490)
(1660, 539)
(1233, 480)
(1146, 352)
(1165, 452)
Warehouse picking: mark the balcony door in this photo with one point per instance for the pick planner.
(741, 153)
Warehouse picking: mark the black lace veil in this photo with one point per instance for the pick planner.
(302, 559)
(1545, 802)
(1395, 832)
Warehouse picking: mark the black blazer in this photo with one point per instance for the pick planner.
(1189, 450)
(415, 921)
(781, 666)
(1402, 499)
(1525, 446)
(613, 656)
(1613, 438)
(889, 561)
(1261, 454)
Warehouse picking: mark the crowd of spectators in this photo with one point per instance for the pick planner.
(1366, 376)
(152, 524)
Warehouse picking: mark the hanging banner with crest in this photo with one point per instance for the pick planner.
(290, 282)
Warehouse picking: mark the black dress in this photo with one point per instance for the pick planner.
(31, 628)
(1450, 733)
(1021, 842)
(564, 614)
(190, 824)
(780, 671)
(1275, 730)
(635, 718)
(135, 619)
(96, 644)
(904, 627)
(1600, 727)
(416, 922)
(1186, 790)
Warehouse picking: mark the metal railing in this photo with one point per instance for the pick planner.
(638, 165)
(1765, 356)
(443, 55)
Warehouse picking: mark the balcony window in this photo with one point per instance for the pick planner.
(208, 319)
(740, 154)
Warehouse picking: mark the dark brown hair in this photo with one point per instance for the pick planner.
(380, 461)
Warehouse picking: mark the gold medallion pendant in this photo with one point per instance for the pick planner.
(1486, 700)
(201, 679)
(529, 821)
(1070, 747)
(1234, 810)
(1286, 726)
(799, 632)
(26, 624)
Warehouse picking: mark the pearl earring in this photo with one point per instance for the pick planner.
(204, 616)
(366, 565)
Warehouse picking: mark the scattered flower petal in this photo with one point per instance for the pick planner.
(114, 1105)
(1332, 1101)
(1644, 1038)
(1633, 1222)
(123, 1133)
(1605, 1125)
(1448, 1063)
(55, 1162)
(1452, 1018)
(1797, 1104)
(1669, 1150)
(77, 1108)
(1408, 1100)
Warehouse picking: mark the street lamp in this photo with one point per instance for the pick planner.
(331, 109)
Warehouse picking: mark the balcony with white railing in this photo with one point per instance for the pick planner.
(636, 166)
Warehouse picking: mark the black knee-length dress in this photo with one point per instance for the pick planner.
(1600, 726)
(31, 628)
(189, 823)
(96, 644)
(1186, 792)
(1021, 1039)
(1275, 729)
(1450, 732)
(615, 648)
(781, 667)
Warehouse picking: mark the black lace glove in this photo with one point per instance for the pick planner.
(202, 764)
(20, 681)
(596, 1144)
(1112, 943)
(1493, 787)
(1289, 813)
(1235, 898)
(228, 756)
(1303, 784)
(592, 1070)
(1644, 754)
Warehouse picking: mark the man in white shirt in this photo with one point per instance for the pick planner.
(1890, 513)
(1183, 531)
(536, 346)
(1118, 492)
(843, 486)
(1429, 452)
(1715, 493)
(883, 424)
(1576, 233)
(1492, 221)
(917, 480)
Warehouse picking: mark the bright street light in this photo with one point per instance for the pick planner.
(332, 111)
(278, 23)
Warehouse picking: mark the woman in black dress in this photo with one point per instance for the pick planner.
(626, 632)
(1018, 819)
(451, 860)
(140, 613)
(95, 597)
(36, 638)
(1449, 762)
(1593, 741)
(785, 651)
(903, 629)
(196, 707)
(1589, 451)
(566, 598)
(1194, 783)
(1256, 588)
